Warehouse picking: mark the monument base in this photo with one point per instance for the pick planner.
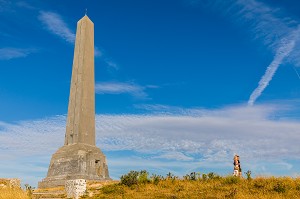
(76, 161)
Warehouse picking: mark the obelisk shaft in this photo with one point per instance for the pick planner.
(81, 110)
(79, 158)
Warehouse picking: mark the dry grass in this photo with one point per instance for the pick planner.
(54, 189)
(9, 193)
(96, 185)
(222, 187)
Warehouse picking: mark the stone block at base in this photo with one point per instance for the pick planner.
(76, 161)
(75, 188)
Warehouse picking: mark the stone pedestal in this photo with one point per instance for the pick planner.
(76, 161)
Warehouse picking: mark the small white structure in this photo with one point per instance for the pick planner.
(75, 188)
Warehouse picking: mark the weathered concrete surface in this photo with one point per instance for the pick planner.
(77, 161)
(81, 110)
(79, 158)
(75, 188)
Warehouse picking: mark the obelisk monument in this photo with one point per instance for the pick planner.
(79, 158)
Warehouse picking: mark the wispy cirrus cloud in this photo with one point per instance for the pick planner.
(279, 32)
(24, 4)
(275, 28)
(5, 5)
(121, 88)
(111, 64)
(56, 25)
(165, 142)
(12, 53)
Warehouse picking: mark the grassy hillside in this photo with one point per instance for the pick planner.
(138, 185)
(212, 186)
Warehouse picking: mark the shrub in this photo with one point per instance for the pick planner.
(279, 187)
(186, 177)
(156, 178)
(130, 179)
(193, 176)
(204, 176)
(170, 175)
(213, 175)
(143, 177)
(135, 177)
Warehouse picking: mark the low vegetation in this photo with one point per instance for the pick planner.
(13, 193)
(139, 185)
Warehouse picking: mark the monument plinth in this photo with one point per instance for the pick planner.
(79, 158)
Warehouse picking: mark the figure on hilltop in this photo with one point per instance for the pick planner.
(237, 170)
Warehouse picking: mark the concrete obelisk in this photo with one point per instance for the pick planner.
(79, 158)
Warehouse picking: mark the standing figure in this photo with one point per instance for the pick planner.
(237, 170)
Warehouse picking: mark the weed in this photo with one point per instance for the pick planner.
(156, 178)
(279, 187)
(213, 175)
(248, 174)
(204, 176)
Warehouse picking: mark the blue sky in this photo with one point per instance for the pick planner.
(181, 85)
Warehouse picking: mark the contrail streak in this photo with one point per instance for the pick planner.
(296, 72)
(280, 34)
(283, 51)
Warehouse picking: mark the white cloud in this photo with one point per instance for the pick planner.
(12, 53)
(216, 136)
(55, 24)
(221, 132)
(98, 52)
(121, 88)
(175, 155)
(166, 142)
(111, 64)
